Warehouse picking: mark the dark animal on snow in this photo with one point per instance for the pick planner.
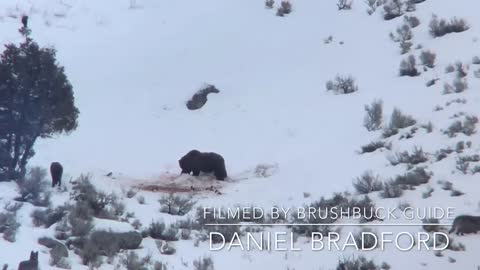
(465, 224)
(200, 97)
(196, 162)
(31, 264)
(56, 171)
(25, 21)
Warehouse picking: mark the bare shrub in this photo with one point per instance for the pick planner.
(412, 21)
(374, 115)
(427, 58)
(416, 177)
(440, 27)
(463, 162)
(428, 127)
(49, 216)
(102, 205)
(367, 182)
(9, 226)
(285, 8)
(460, 85)
(344, 4)
(374, 146)
(170, 234)
(80, 219)
(416, 157)
(373, 5)
(461, 69)
(449, 68)
(131, 261)
(467, 127)
(342, 85)
(398, 120)
(358, 263)
(176, 205)
(393, 9)
(205, 263)
(391, 190)
(408, 67)
(156, 229)
(403, 36)
(33, 187)
(269, 4)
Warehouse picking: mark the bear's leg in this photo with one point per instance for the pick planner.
(219, 176)
(196, 172)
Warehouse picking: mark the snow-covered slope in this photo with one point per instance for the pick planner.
(133, 69)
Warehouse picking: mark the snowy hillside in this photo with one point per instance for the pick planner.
(134, 64)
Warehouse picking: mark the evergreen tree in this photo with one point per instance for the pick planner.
(36, 101)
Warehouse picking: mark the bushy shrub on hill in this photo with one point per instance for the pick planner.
(391, 190)
(416, 157)
(359, 263)
(33, 187)
(412, 21)
(399, 120)
(344, 4)
(427, 58)
(367, 182)
(373, 5)
(441, 27)
(285, 8)
(175, 204)
(393, 9)
(342, 85)
(269, 4)
(374, 115)
(416, 177)
(408, 67)
(374, 146)
(100, 204)
(9, 225)
(404, 36)
(467, 127)
(204, 263)
(48, 217)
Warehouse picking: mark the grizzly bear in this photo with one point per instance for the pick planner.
(196, 162)
(56, 171)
